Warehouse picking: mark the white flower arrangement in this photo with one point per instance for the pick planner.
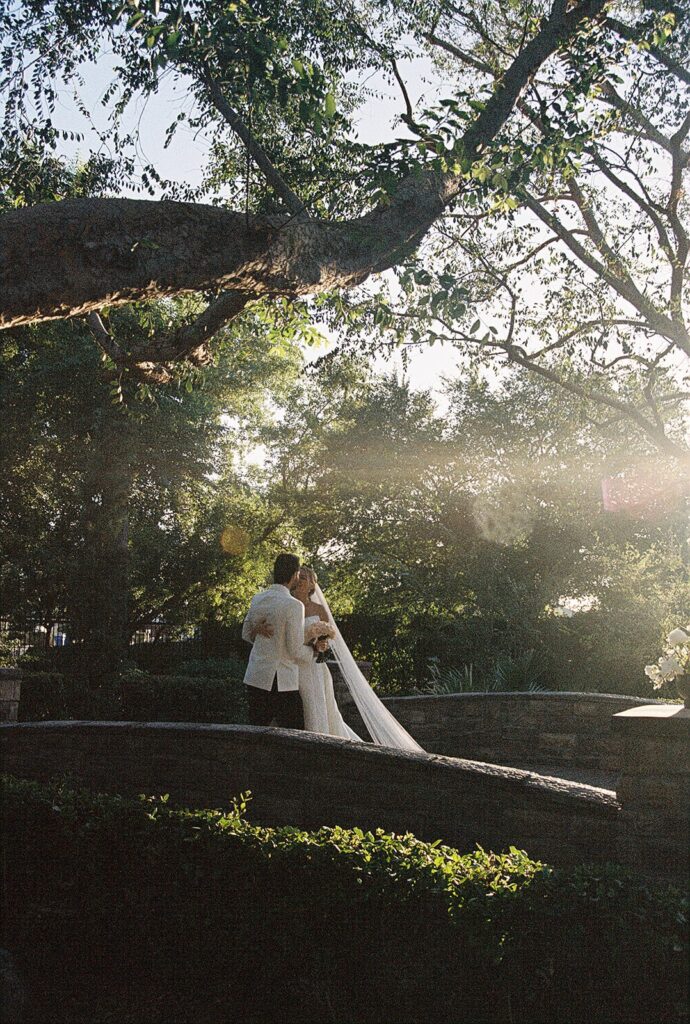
(675, 661)
(318, 631)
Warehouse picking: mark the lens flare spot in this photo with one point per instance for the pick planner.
(506, 523)
(234, 540)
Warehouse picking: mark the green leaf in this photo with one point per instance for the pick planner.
(329, 105)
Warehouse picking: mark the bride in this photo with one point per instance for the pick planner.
(321, 712)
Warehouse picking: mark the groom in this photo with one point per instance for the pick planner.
(275, 627)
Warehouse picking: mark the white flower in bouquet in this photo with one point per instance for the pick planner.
(318, 631)
(675, 660)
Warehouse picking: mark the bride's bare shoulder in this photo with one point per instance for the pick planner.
(317, 609)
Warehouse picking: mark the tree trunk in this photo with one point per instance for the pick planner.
(101, 591)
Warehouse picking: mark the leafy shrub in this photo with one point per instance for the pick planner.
(191, 698)
(8, 657)
(590, 652)
(43, 696)
(449, 680)
(133, 911)
(134, 696)
(51, 696)
(519, 674)
(230, 668)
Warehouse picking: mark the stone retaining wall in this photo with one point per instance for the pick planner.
(310, 780)
(654, 788)
(10, 690)
(565, 729)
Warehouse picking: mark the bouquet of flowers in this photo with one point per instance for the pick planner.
(675, 661)
(315, 632)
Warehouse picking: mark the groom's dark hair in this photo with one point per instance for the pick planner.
(285, 568)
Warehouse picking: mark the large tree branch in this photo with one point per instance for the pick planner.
(612, 274)
(555, 29)
(628, 33)
(256, 151)
(679, 162)
(516, 354)
(636, 115)
(76, 256)
(72, 257)
(189, 342)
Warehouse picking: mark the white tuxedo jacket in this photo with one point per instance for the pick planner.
(280, 655)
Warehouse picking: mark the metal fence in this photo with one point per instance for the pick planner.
(17, 636)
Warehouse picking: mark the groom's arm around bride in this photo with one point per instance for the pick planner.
(272, 676)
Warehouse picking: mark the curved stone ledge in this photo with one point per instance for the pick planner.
(310, 780)
(541, 729)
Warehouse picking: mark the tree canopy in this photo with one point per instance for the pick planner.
(479, 532)
(471, 536)
(126, 503)
(587, 259)
(533, 205)
(529, 209)
(276, 78)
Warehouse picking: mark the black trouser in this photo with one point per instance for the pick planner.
(283, 705)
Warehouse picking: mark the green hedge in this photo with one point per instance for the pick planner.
(136, 696)
(124, 911)
(191, 698)
(52, 696)
(228, 668)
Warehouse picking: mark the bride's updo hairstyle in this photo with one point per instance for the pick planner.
(311, 576)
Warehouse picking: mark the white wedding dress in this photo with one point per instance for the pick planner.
(321, 712)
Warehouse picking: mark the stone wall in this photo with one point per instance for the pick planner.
(564, 729)
(10, 690)
(309, 780)
(654, 788)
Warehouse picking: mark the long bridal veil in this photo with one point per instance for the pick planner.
(383, 727)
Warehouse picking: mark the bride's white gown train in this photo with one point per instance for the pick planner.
(321, 712)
